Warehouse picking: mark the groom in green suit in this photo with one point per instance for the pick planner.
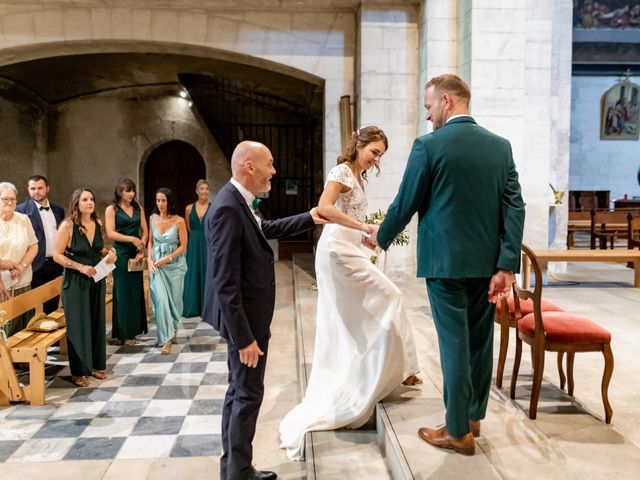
(462, 182)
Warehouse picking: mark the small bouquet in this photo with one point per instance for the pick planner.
(376, 218)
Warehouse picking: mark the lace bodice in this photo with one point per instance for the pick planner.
(353, 202)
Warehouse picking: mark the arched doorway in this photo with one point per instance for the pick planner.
(176, 165)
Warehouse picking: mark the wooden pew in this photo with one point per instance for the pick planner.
(633, 232)
(579, 221)
(607, 225)
(27, 346)
(620, 255)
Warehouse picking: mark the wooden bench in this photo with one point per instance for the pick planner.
(622, 256)
(27, 346)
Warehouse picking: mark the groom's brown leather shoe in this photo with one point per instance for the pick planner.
(474, 426)
(440, 438)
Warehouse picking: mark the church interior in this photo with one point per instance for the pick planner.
(161, 92)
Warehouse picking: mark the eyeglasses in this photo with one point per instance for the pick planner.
(7, 200)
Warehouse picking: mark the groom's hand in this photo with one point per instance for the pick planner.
(372, 241)
(250, 355)
(500, 285)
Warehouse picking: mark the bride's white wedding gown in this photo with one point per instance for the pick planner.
(364, 345)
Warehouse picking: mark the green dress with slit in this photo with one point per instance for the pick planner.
(193, 296)
(129, 316)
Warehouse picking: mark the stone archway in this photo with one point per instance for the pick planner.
(175, 165)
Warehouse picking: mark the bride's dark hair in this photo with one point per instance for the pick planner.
(360, 139)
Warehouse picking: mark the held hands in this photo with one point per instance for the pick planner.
(317, 219)
(500, 285)
(15, 271)
(371, 241)
(139, 244)
(250, 355)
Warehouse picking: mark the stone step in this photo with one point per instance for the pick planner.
(331, 455)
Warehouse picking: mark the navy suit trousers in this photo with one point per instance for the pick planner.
(240, 414)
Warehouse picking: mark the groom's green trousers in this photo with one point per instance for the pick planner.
(463, 318)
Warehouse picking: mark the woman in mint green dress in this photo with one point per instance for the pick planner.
(126, 226)
(167, 266)
(196, 252)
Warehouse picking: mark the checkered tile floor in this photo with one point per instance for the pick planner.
(151, 406)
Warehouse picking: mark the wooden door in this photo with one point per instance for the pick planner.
(176, 165)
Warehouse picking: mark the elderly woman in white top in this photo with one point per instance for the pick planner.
(18, 248)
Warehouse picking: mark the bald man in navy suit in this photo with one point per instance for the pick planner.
(240, 296)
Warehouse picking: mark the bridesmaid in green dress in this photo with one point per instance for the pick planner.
(79, 248)
(167, 266)
(196, 252)
(126, 225)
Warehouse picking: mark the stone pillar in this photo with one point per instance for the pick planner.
(561, 51)
(387, 89)
(438, 48)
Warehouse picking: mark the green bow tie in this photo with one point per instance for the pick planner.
(256, 203)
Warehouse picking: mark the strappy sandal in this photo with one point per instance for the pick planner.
(412, 380)
(166, 348)
(100, 374)
(80, 381)
(132, 341)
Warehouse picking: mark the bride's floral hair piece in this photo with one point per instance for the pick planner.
(360, 139)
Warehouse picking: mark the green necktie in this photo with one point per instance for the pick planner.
(256, 203)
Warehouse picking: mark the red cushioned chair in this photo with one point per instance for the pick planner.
(556, 332)
(506, 317)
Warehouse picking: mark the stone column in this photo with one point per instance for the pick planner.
(386, 93)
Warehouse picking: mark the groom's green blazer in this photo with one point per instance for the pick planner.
(462, 181)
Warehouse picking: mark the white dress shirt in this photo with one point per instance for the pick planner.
(49, 226)
(456, 116)
(248, 197)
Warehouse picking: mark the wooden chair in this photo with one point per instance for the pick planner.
(607, 226)
(560, 332)
(506, 317)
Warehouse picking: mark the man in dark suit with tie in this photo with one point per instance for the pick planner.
(240, 296)
(45, 218)
(462, 182)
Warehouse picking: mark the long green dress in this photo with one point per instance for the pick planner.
(196, 266)
(165, 286)
(84, 306)
(129, 316)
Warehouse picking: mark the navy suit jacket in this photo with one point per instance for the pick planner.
(240, 286)
(29, 208)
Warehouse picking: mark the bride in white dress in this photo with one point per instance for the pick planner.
(364, 345)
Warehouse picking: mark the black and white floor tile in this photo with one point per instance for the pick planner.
(152, 406)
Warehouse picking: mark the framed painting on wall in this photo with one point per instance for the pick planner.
(619, 115)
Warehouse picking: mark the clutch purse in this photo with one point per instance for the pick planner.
(132, 266)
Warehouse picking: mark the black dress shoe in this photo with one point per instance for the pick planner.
(263, 475)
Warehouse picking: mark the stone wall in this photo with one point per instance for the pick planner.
(319, 41)
(599, 164)
(99, 139)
